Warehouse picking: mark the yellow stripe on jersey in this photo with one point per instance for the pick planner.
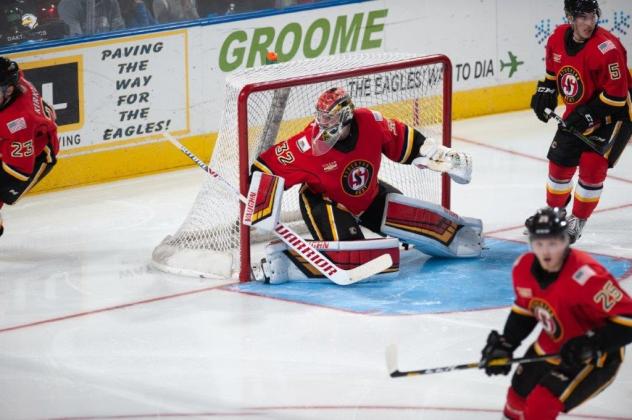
(578, 379)
(332, 222)
(520, 310)
(263, 168)
(14, 173)
(550, 76)
(622, 320)
(552, 360)
(311, 217)
(36, 178)
(611, 102)
(49, 157)
(409, 143)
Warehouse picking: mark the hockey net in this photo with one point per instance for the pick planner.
(268, 104)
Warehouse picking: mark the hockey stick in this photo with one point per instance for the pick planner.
(599, 145)
(394, 372)
(298, 244)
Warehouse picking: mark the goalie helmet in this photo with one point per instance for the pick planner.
(334, 111)
(575, 7)
(547, 222)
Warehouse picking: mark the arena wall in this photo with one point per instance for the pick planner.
(115, 94)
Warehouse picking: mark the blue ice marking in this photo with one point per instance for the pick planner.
(424, 285)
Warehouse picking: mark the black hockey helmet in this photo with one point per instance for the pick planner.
(575, 7)
(547, 222)
(9, 74)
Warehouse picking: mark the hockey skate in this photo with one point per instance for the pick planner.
(261, 271)
(575, 228)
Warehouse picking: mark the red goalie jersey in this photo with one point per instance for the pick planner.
(599, 68)
(347, 177)
(27, 127)
(583, 297)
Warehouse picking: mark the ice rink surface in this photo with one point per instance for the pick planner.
(88, 331)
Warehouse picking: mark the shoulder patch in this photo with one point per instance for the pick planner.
(303, 145)
(525, 292)
(377, 115)
(606, 46)
(16, 125)
(582, 275)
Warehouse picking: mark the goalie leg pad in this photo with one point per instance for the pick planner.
(433, 229)
(263, 207)
(282, 264)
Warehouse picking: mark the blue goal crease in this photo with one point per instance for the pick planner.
(424, 285)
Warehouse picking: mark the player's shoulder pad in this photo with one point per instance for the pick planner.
(368, 114)
(527, 258)
(560, 31)
(605, 43)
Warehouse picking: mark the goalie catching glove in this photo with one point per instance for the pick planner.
(439, 158)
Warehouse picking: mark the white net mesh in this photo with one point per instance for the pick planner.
(208, 242)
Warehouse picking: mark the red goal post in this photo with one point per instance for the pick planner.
(275, 101)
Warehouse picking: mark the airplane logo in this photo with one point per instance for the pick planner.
(512, 64)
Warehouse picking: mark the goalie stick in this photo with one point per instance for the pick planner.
(601, 146)
(294, 241)
(394, 372)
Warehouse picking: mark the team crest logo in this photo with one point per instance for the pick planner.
(570, 84)
(544, 313)
(356, 177)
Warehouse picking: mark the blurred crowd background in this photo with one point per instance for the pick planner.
(40, 20)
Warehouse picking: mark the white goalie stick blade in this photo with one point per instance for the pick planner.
(330, 270)
(391, 359)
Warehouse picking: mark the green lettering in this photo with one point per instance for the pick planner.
(297, 32)
(237, 53)
(261, 40)
(325, 27)
(371, 28)
(342, 37)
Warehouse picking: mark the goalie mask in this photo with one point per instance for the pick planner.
(334, 112)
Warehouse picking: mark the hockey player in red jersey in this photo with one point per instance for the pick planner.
(28, 135)
(336, 159)
(587, 66)
(586, 318)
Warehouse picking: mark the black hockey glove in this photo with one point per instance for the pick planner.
(497, 347)
(581, 119)
(544, 97)
(580, 350)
